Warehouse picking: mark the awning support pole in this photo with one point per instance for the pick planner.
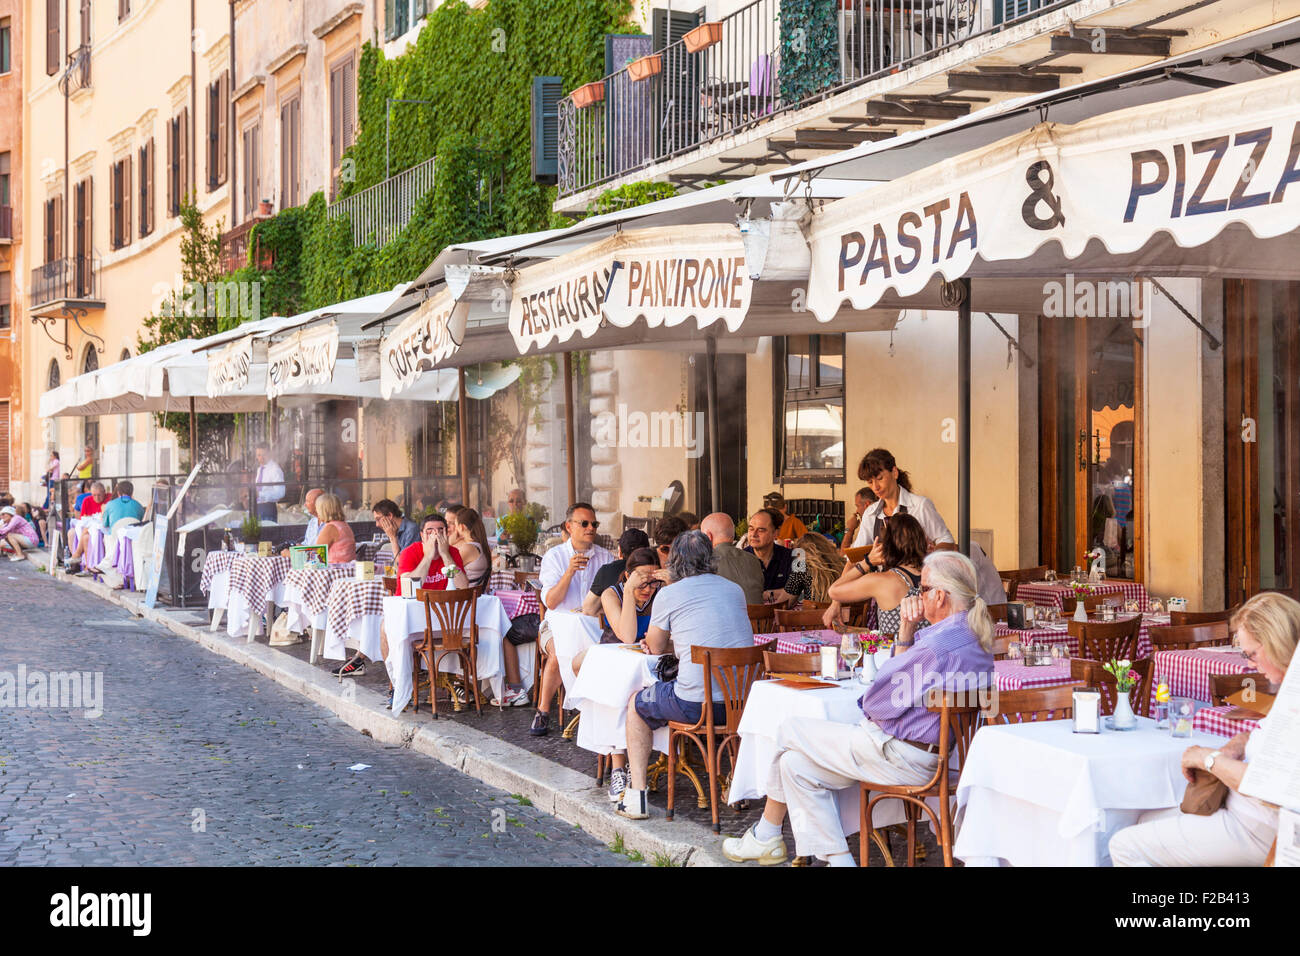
(194, 436)
(963, 417)
(711, 389)
(568, 428)
(461, 444)
(1214, 342)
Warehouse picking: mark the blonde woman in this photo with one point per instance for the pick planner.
(1241, 831)
(815, 567)
(335, 533)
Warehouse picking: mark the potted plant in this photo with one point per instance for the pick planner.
(522, 530)
(703, 36)
(588, 94)
(644, 67)
(250, 529)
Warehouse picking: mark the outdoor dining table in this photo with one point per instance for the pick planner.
(125, 562)
(1017, 675)
(1215, 720)
(214, 581)
(404, 624)
(610, 675)
(1038, 794)
(256, 586)
(517, 603)
(306, 594)
(94, 530)
(1188, 672)
(1055, 593)
(354, 613)
(571, 632)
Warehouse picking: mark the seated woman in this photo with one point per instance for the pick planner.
(902, 549)
(335, 533)
(626, 608)
(465, 532)
(1242, 830)
(816, 566)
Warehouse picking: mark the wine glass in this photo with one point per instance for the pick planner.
(851, 651)
(1050, 576)
(1058, 652)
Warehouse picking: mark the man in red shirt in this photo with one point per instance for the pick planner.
(91, 506)
(433, 553)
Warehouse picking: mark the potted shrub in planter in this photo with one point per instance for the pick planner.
(644, 67)
(588, 94)
(250, 529)
(703, 36)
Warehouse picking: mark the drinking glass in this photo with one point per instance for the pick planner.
(1181, 710)
(1050, 576)
(851, 651)
(1131, 606)
(1157, 606)
(1058, 652)
(1013, 651)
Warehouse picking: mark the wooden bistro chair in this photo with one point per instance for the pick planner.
(522, 578)
(1032, 704)
(787, 621)
(1002, 646)
(814, 605)
(1017, 576)
(957, 723)
(734, 670)
(1069, 602)
(1188, 637)
(456, 633)
(390, 586)
(1223, 686)
(1107, 640)
(807, 664)
(762, 617)
(998, 612)
(1200, 617)
(1094, 674)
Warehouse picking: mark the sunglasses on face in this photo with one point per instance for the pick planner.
(664, 548)
(593, 525)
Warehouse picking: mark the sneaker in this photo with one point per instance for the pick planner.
(617, 784)
(355, 667)
(16, 557)
(749, 847)
(541, 724)
(517, 698)
(633, 805)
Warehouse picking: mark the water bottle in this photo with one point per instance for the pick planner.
(1161, 707)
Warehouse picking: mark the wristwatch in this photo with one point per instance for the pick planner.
(1210, 758)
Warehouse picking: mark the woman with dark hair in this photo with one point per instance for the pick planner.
(626, 605)
(893, 491)
(466, 533)
(902, 547)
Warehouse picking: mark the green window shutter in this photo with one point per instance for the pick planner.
(547, 93)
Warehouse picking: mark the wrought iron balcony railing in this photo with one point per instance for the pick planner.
(752, 69)
(383, 210)
(76, 277)
(77, 75)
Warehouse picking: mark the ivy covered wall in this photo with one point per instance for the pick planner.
(476, 66)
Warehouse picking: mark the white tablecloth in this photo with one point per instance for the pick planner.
(1037, 794)
(571, 632)
(610, 675)
(404, 625)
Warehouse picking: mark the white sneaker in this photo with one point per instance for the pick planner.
(617, 784)
(633, 805)
(749, 847)
(16, 557)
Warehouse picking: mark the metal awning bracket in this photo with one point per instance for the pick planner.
(1215, 343)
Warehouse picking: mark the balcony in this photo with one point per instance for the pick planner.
(73, 281)
(77, 76)
(767, 93)
(234, 248)
(381, 211)
(6, 224)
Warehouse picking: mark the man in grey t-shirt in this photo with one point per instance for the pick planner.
(697, 608)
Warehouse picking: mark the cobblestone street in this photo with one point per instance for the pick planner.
(198, 760)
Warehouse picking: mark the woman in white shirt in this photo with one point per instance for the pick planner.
(1242, 830)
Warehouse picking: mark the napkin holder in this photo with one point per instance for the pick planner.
(830, 662)
(1087, 710)
(264, 549)
(1016, 615)
(365, 570)
(407, 586)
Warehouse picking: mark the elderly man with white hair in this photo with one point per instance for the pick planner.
(896, 742)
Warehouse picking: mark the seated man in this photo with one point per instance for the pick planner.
(123, 506)
(313, 520)
(401, 532)
(733, 564)
(667, 530)
(777, 559)
(93, 505)
(897, 740)
(698, 608)
(568, 570)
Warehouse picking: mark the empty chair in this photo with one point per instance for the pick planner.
(454, 634)
(1186, 637)
(998, 612)
(762, 618)
(1223, 686)
(1200, 617)
(809, 664)
(1032, 704)
(1017, 576)
(1094, 674)
(1106, 640)
(1069, 602)
(798, 620)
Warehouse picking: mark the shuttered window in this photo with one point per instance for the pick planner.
(290, 155)
(547, 93)
(343, 108)
(53, 41)
(178, 138)
(84, 236)
(123, 10)
(120, 202)
(54, 229)
(218, 142)
(250, 168)
(85, 22)
(5, 302)
(145, 191)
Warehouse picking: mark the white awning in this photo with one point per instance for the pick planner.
(1189, 167)
(123, 387)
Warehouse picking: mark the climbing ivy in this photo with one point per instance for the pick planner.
(809, 48)
(629, 195)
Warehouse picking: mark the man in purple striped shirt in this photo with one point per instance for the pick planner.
(897, 740)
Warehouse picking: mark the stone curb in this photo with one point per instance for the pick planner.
(553, 788)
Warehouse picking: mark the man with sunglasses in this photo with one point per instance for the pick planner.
(567, 573)
(666, 532)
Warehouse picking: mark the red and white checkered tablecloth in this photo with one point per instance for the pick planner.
(255, 577)
(1047, 635)
(1211, 720)
(309, 588)
(501, 581)
(1015, 675)
(350, 599)
(217, 562)
(1188, 672)
(1041, 592)
(800, 642)
(518, 602)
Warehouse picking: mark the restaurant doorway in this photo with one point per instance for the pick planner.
(1090, 442)
(1261, 440)
(732, 465)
